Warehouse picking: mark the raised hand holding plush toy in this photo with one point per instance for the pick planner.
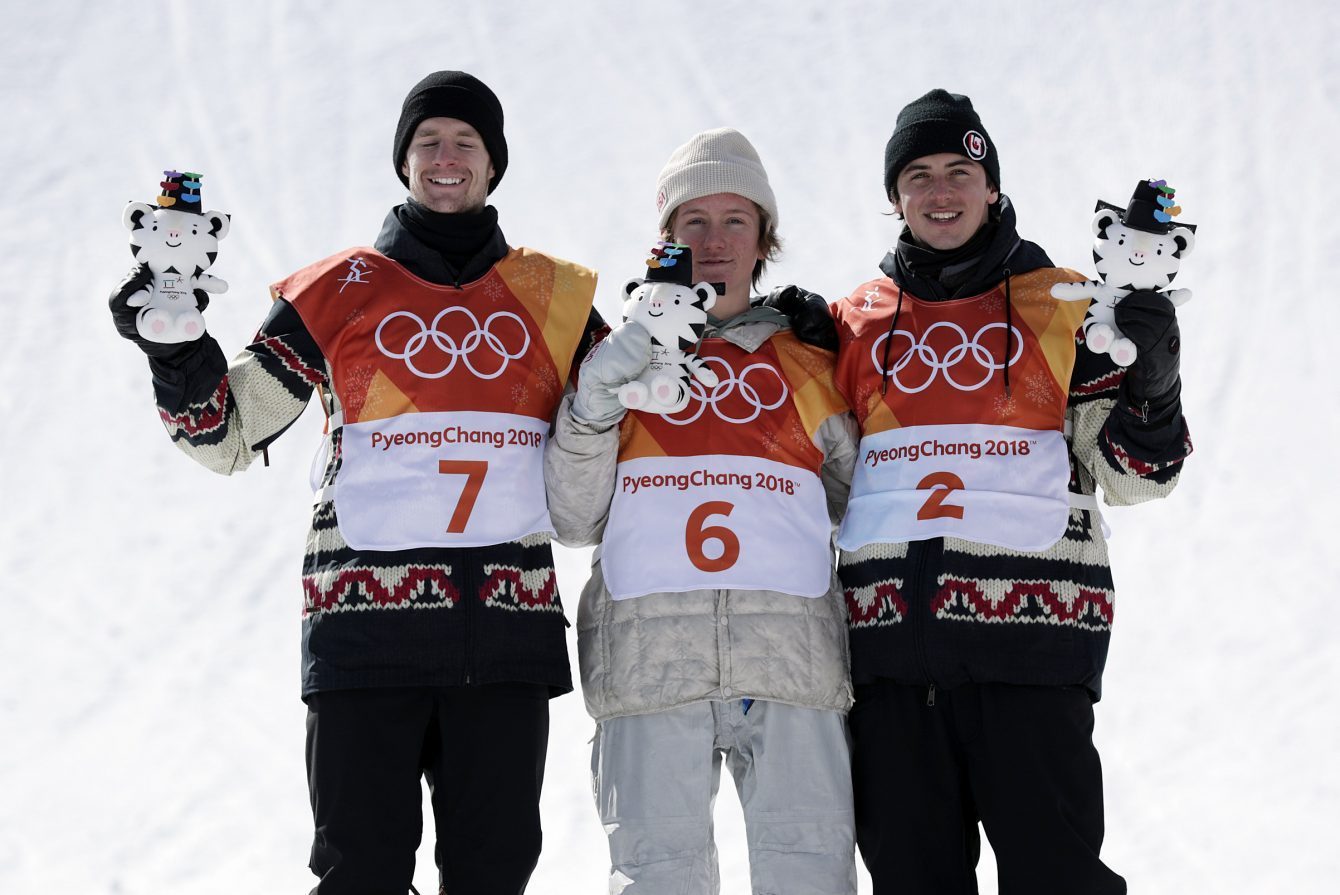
(1138, 249)
(177, 242)
(674, 311)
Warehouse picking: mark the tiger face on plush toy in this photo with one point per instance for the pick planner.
(178, 243)
(1135, 249)
(674, 313)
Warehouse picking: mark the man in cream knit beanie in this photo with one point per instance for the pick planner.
(715, 161)
(732, 567)
(720, 162)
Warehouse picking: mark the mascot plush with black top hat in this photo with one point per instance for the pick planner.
(178, 241)
(1138, 248)
(674, 311)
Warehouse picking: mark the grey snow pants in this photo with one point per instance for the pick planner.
(655, 778)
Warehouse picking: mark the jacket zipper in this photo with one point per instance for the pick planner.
(723, 646)
(468, 597)
(921, 594)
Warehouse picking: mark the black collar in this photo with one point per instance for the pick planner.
(447, 249)
(975, 267)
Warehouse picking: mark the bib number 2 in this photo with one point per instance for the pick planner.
(697, 534)
(941, 485)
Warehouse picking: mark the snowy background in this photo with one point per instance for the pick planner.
(151, 734)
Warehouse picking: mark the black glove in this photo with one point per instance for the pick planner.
(123, 315)
(1152, 384)
(808, 314)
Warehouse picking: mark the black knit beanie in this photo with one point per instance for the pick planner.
(453, 94)
(938, 122)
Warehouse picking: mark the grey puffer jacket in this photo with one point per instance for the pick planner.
(664, 650)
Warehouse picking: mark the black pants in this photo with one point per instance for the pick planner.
(482, 750)
(1020, 759)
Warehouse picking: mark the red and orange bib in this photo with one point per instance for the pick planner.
(447, 392)
(726, 493)
(945, 451)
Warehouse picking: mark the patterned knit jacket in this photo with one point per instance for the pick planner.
(417, 617)
(945, 611)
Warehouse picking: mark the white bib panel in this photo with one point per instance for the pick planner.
(990, 484)
(718, 521)
(442, 479)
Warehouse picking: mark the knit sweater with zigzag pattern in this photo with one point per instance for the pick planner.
(946, 611)
(434, 616)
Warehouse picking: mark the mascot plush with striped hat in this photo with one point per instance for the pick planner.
(178, 241)
(669, 306)
(1139, 248)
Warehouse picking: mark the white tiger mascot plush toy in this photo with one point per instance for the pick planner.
(674, 312)
(177, 242)
(1135, 249)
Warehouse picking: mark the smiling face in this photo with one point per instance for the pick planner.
(673, 315)
(725, 233)
(168, 240)
(448, 167)
(944, 199)
(1137, 259)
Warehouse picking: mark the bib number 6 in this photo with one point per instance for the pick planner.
(697, 534)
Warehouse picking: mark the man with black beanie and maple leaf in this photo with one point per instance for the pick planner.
(973, 558)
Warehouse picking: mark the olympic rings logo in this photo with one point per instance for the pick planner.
(921, 350)
(700, 398)
(478, 335)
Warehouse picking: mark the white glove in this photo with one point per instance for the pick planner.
(619, 358)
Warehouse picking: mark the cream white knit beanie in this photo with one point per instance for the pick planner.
(715, 161)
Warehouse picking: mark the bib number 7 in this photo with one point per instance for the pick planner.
(474, 472)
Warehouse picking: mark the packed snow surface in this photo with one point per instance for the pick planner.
(151, 735)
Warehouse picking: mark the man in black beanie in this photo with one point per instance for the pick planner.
(450, 124)
(432, 632)
(972, 553)
(941, 134)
